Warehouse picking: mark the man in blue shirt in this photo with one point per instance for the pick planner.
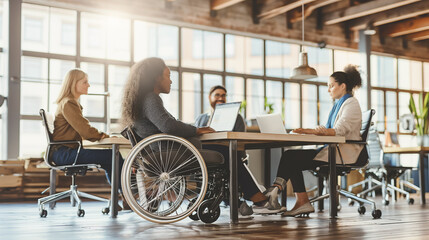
(217, 95)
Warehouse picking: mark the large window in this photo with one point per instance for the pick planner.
(383, 71)
(292, 105)
(255, 97)
(191, 95)
(321, 60)
(410, 74)
(198, 59)
(280, 58)
(156, 40)
(245, 57)
(105, 37)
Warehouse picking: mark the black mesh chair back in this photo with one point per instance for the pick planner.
(366, 124)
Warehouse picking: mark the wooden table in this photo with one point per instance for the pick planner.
(113, 143)
(247, 140)
(414, 150)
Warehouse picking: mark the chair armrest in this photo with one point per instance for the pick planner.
(64, 142)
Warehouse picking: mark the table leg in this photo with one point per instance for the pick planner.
(233, 181)
(115, 180)
(267, 167)
(332, 181)
(320, 187)
(422, 178)
(52, 186)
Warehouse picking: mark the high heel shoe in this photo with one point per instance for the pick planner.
(303, 210)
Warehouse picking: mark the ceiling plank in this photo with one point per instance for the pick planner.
(221, 4)
(390, 16)
(266, 14)
(423, 35)
(406, 27)
(297, 16)
(365, 9)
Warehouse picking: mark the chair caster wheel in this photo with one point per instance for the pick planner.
(386, 202)
(43, 213)
(376, 214)
(80, 213)
(105, 210)
(351, 203)
(361, 210)
(411, 201)
(206, 214)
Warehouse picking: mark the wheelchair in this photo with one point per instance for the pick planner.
(165, 179)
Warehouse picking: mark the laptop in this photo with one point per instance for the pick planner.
(224, 116)
(271, 123)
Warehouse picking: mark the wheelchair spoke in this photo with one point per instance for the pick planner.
(187, 161)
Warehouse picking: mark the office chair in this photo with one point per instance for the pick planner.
(342, 170)
(70, 170)
(378, 174)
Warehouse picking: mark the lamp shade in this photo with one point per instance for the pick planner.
(303, 71)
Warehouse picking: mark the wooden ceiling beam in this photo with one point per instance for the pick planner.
(297, 16)
(365, 9)
(277, 10)
(390, 16)
(423, 35)
(221, 4)
(406, 27)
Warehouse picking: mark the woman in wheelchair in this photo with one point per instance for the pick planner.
(345, 119)
(144, 114)
(70, 124)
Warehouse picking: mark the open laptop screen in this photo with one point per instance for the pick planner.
(271, 123)
(224, 116)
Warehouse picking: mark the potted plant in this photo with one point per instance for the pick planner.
(421, 117)
(269, 107)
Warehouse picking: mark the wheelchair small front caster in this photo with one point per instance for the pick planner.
(206, 214)
(386, 202)
(194, 214)
(411, 201)
(80, 212)
(351, 203)
(43, 213)
(105, 210)
(376, 214)
(361, 210)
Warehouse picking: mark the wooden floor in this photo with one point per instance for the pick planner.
(399, 221)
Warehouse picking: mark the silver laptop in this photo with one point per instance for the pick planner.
(271, 123)
(224, 116)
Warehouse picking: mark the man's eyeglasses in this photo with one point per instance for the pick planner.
(220, 95)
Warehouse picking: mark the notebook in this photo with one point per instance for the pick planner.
(271, 123)
(224, 116)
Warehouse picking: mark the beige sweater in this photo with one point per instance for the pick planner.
(70, 124)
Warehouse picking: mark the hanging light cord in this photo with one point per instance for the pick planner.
(302, 15)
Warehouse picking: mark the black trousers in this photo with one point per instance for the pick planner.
(293, 162)
(245, 181)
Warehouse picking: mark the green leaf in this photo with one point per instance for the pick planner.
(412, 106)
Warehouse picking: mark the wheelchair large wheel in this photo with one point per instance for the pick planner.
(164, 178)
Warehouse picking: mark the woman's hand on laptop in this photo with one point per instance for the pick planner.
(204, 130)
(303, 131)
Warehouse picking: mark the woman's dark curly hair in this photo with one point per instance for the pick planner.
(351, 77)
(141, 80)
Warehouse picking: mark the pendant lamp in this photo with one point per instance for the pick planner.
(303, 71)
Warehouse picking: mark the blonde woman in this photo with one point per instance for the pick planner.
(70, 124)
